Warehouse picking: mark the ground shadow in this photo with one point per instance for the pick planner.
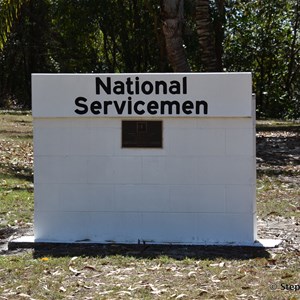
(16, 134)
(279, 150)
(17, 171)
(152, 251)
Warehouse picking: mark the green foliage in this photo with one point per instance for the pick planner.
(9, 10)
(78, 36)
(103, 36)
(126, 36)
(263, 37)
(25, 52)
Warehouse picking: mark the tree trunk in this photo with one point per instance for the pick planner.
(172, 20)
(206, 36)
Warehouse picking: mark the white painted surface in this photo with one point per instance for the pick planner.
(199, 188)
(227, 94)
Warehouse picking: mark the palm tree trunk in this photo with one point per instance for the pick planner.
(172, 20)
(206, 36)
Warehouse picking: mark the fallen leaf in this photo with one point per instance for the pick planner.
(192, 273)
(245, 287)
(215, 280)
(76, 272)
(133, 288)
(272, 261)
(214, 265)
(72, 260)
(56, 273)
(87, 287)
(221, 264)
(105, 292)
(44, 259)
(223, 277)
(45, 287)
(157, 267)
(90, 267)
(202, 292)
(154, 289)
(122, 293)
(24, 295)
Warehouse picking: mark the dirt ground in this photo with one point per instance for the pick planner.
(278, 156)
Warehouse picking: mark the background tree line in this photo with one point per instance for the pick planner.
(138, 36)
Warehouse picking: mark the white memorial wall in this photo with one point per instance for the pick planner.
(198, 188)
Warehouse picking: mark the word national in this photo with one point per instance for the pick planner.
(146, 87)
(143, 106)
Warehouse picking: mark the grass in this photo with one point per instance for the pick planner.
(130, 277)
(277, 197)
(152, 272)
(16, 174)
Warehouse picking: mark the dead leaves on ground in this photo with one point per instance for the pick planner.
(170, 280)
(16, 158)
(130, 278)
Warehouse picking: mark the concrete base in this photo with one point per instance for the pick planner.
(29, 242)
